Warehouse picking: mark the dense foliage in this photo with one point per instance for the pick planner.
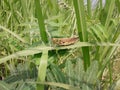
(29, 60)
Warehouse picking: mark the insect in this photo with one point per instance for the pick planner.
(65, 41)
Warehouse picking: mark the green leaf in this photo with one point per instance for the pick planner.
(38, 11)
(79, 72)
(4, 86)
(91, 74)
(107, 12)
(89, 8)
(69, 72)
(42, 69)
(13, 34)
(82, 30)
(117, 2)
(39, 49)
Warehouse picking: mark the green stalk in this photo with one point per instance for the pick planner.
(100, 4)
(82, 30)
(107, 12)
(89, 8)
(110, 72)
(110, 8)
(40, 18)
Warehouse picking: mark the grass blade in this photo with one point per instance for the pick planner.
(107, 12)
(82, 29)
(13, 34)
(89, 8)
(39, 49)
(40, 18)
(42, 69)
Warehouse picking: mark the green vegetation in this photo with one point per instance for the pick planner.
(29, 60)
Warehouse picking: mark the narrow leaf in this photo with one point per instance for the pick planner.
(42, 69)
(40, 18)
